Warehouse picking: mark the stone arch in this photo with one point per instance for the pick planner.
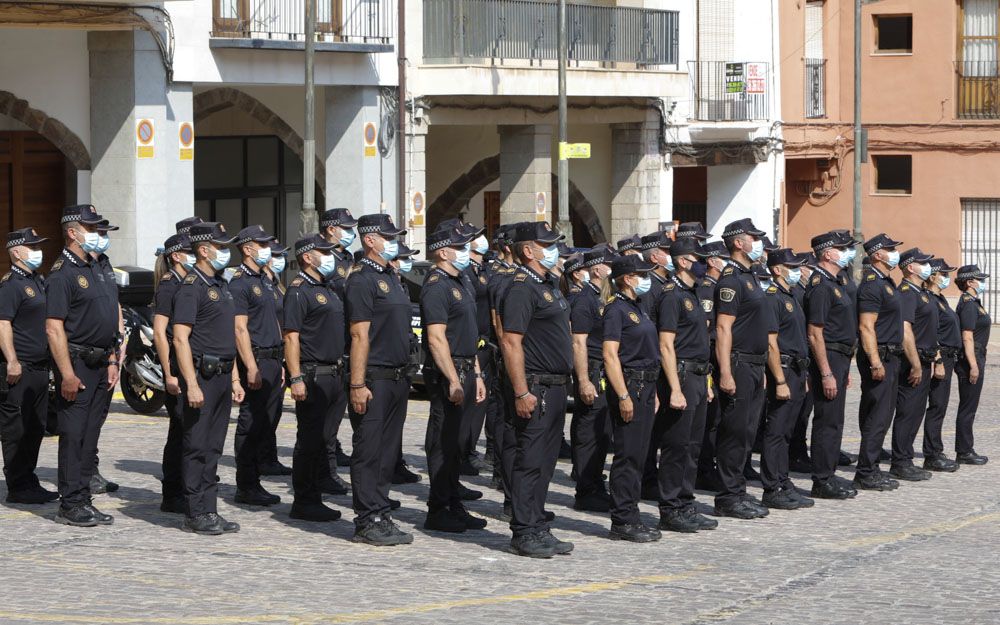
(214, 100)
(49, 127)
(465, 187)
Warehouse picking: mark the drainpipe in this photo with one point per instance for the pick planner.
(402, 200)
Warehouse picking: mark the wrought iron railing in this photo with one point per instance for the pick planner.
(457, 31)
(729, 91)
(978, 90)
(349, 21)
(815, 88)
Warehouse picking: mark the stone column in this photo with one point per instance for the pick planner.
(525, 173)
(143, 196)
(416, 186)
(636, 179)
(354, 171)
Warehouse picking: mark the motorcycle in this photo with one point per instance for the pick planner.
(141, 373)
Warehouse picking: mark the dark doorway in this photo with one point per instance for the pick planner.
(690, 194)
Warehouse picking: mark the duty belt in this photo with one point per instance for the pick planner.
(847, 349)
(269, 353)
(889, 349)
(316, 369)
(800, 365)
(211, 366)
(386, 373)
(93, 357)
(696, 367)
(750, 359)
(546, 379)
(949, 352)
(594, 367)
(640, 375)
(927, 356)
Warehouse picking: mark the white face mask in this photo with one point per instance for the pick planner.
(263, 256)
(278, 264)
(794, 275)
(189, 262)
(480, 245)
(327, 265)
(103, 243)
(892, 259)
(221, 259)
(33, 260)
(944, 282)
(91, 241)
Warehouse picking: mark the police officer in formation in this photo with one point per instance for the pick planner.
(654, 334)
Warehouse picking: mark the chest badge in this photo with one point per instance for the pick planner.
(321, 298)
(836, 292)
(600, 311)
(634, 317)
(923, 298)
(482, 279)
(888, 289)
(30, 292)
(707, 305)
(383, 286)
(82, 281)
(789, 307)
(456, 294)
(341, 272)
(749, 284)
(688, 305)
(256, 290)
(213, 295)
(548, 297)
(727, 295)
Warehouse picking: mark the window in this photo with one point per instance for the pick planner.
(893, 34)
(893, 175)
(978, 44)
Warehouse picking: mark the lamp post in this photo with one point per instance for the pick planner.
(309, 220)
(563, 223)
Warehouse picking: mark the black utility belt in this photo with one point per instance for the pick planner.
(211, 366)
(93, 357)
(269, 353)
(927, 356)
(595, 367)
(546, 379)
(750, 359)
(885, 350)
(316, 369)
(950, 353)
(695, 367)
(387, 373)
(640, 375)
(847, 349)
(800, 365)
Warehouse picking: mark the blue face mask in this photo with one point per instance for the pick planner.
(844, 258)
(278, 264)
(981, 288)
(34, 259)
(944, 282)
(347, 237)
(794, 276)
(103, 243)
(327, 265)
(263, 256)
(925, 272)
(480, 245)
(756, 251)
(892, 259)
(585, 277)
(550, 256)
(189, 261)
(91, 240)
(221, 259)
(462, 259)
(669, 265)
(390, 250)
(405, 265)
(645, 282)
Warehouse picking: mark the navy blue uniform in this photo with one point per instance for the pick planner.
(911, 401)
(503, 432)
(477, 282)
(173, 449)
(268, 454)
(24, 406)
(78, 292)
(973, 318)
(204, 303)
(626, 322)
(590, 427)
(706, 459)
(949, 338)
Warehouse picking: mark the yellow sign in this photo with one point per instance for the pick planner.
(541, 203)
(417, 206)
(573, 150)
(144, 134)
(370, 136)
(185, 139)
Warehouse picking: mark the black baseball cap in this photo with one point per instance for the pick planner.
(971, 272)
(655, 240)
(24, 236)
(278, 248)
(539, 231)
(631, 263)
(768, 245)
(913, 255)
(629, 243)
(446, 237)
(846, 237)
(378, 223)
(939, 265)
(742, 226)
(340, 217)
(574, 262)
(596, 256)
(184, 226)
(462, 226)
(253, 233)
(211, 231)
(692, 229)
(405, 251)
(715, 248)
(686, 245)
(81, 213)
(825, 241)
(105, 226)
(312, 242)
(177, 243)
(785, 256)
(880, 241)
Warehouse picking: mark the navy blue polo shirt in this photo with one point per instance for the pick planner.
(846, 281)
(279, 298)
(22, 303)
(680, 312)
(498, 285)
(338, 279)
(829, 305)
(314, 310)
(586, 310)
(446, 299)
(650, 301)
(78, 293)
(254, 296)
(791, 321)
(877, 294)
(739, 294)
(949, 332)
(922, 314)
(534, 307)
(973, 317)
(205, 303)
(706, 296)
(479, 282)
(626, 321)
(375, 294)
(799, 293)
(163, 301)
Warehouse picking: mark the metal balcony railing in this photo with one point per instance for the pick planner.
(729, 91)
(347, 21)
(815, 88)
(978, 90)
(460, 31)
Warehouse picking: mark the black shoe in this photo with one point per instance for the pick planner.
(565, 451)
(548, 516)
(471, 522)
(100, 517)
(885, 456)
(846, 484)
(100, 486)
(909, 473)
(831, 490)
(531, 546)
(403, 475)
(800, 465)
(496, 482)
(480, 463)
(845, 459)
(597, 501)
(704, 523)
(317, 512)
(636, 533)
(333, 485)
(971, 458)
(467, 494)
(709, 482)
(204, 524)
(228, 527)
(394, 504)
(940, 463)
(251, 496)
(381, 532)
(755, 503)
(740, 510)
(33, 495)
(77, 516)
(343, 460)
(781, 500)
(175, 505)
(444, 521)
(750, 474)
(559, 547)
(467, 469)
(274, 469)
(875, 481)
(679, 521)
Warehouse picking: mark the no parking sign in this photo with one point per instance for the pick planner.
(144, 134)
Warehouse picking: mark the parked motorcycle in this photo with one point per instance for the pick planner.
(141, 373)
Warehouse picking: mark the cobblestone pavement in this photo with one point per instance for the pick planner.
(923, 554)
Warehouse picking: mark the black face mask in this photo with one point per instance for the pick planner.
(699, 269)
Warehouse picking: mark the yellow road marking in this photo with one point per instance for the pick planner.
(933, 529)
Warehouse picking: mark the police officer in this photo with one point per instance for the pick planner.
(975, 323)
(204, 323)
(880, 322)
(82, 326)
(452, 373)
(631, 365)
(787, 380)
(259, 345)
(694, 230)
(313, 327)
(798, 448)
(24, 371)
(949, 338)
(832, 325)
(684, 391)
(403, 264)
(716, 260)
(378, 311)
(537, 351)
(590, 426)
(176, 260)
(630, 245)
(743, 322)
(267, 457)
(920, 326)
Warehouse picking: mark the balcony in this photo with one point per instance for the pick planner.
(815, 88)
(494, 31)
(978, 90)
(344, 25)
(729, 92)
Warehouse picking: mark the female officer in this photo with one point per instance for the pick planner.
(975, 323)
(949, 338)
(267, 458)
(631, 365)
(171, 268)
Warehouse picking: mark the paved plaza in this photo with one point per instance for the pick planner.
(926, 553)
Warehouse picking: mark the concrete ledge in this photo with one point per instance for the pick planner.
(321, 46)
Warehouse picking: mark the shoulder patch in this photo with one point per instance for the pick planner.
(609, 299)
(966, 298)
(870, 277)
(728, 271)
(297, 281)
(56, 266)
(669, 287)
(190, 278)
(905, 287)
(521, 277)
(727, 295)
(771, 290)
(816, 279)
(433, 278)
(5, 277)
(237, 274)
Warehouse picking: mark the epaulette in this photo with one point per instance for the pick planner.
(870, 277)
(237, 274)
(816, 279)
(575, 289)
(56, 266)
(521, 277)
(967, 298)
(433, 278)
(728, 271)
(507, 270)
(905, 287)
(190, 278)
(610, 299)
(5, 277)
(297, 281)
(771, 290)
(668, 287)
(167, 277)
(706, 282)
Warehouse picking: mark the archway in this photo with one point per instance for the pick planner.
(53, 130)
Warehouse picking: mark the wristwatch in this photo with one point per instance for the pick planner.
(624, 397)
(296, 378)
